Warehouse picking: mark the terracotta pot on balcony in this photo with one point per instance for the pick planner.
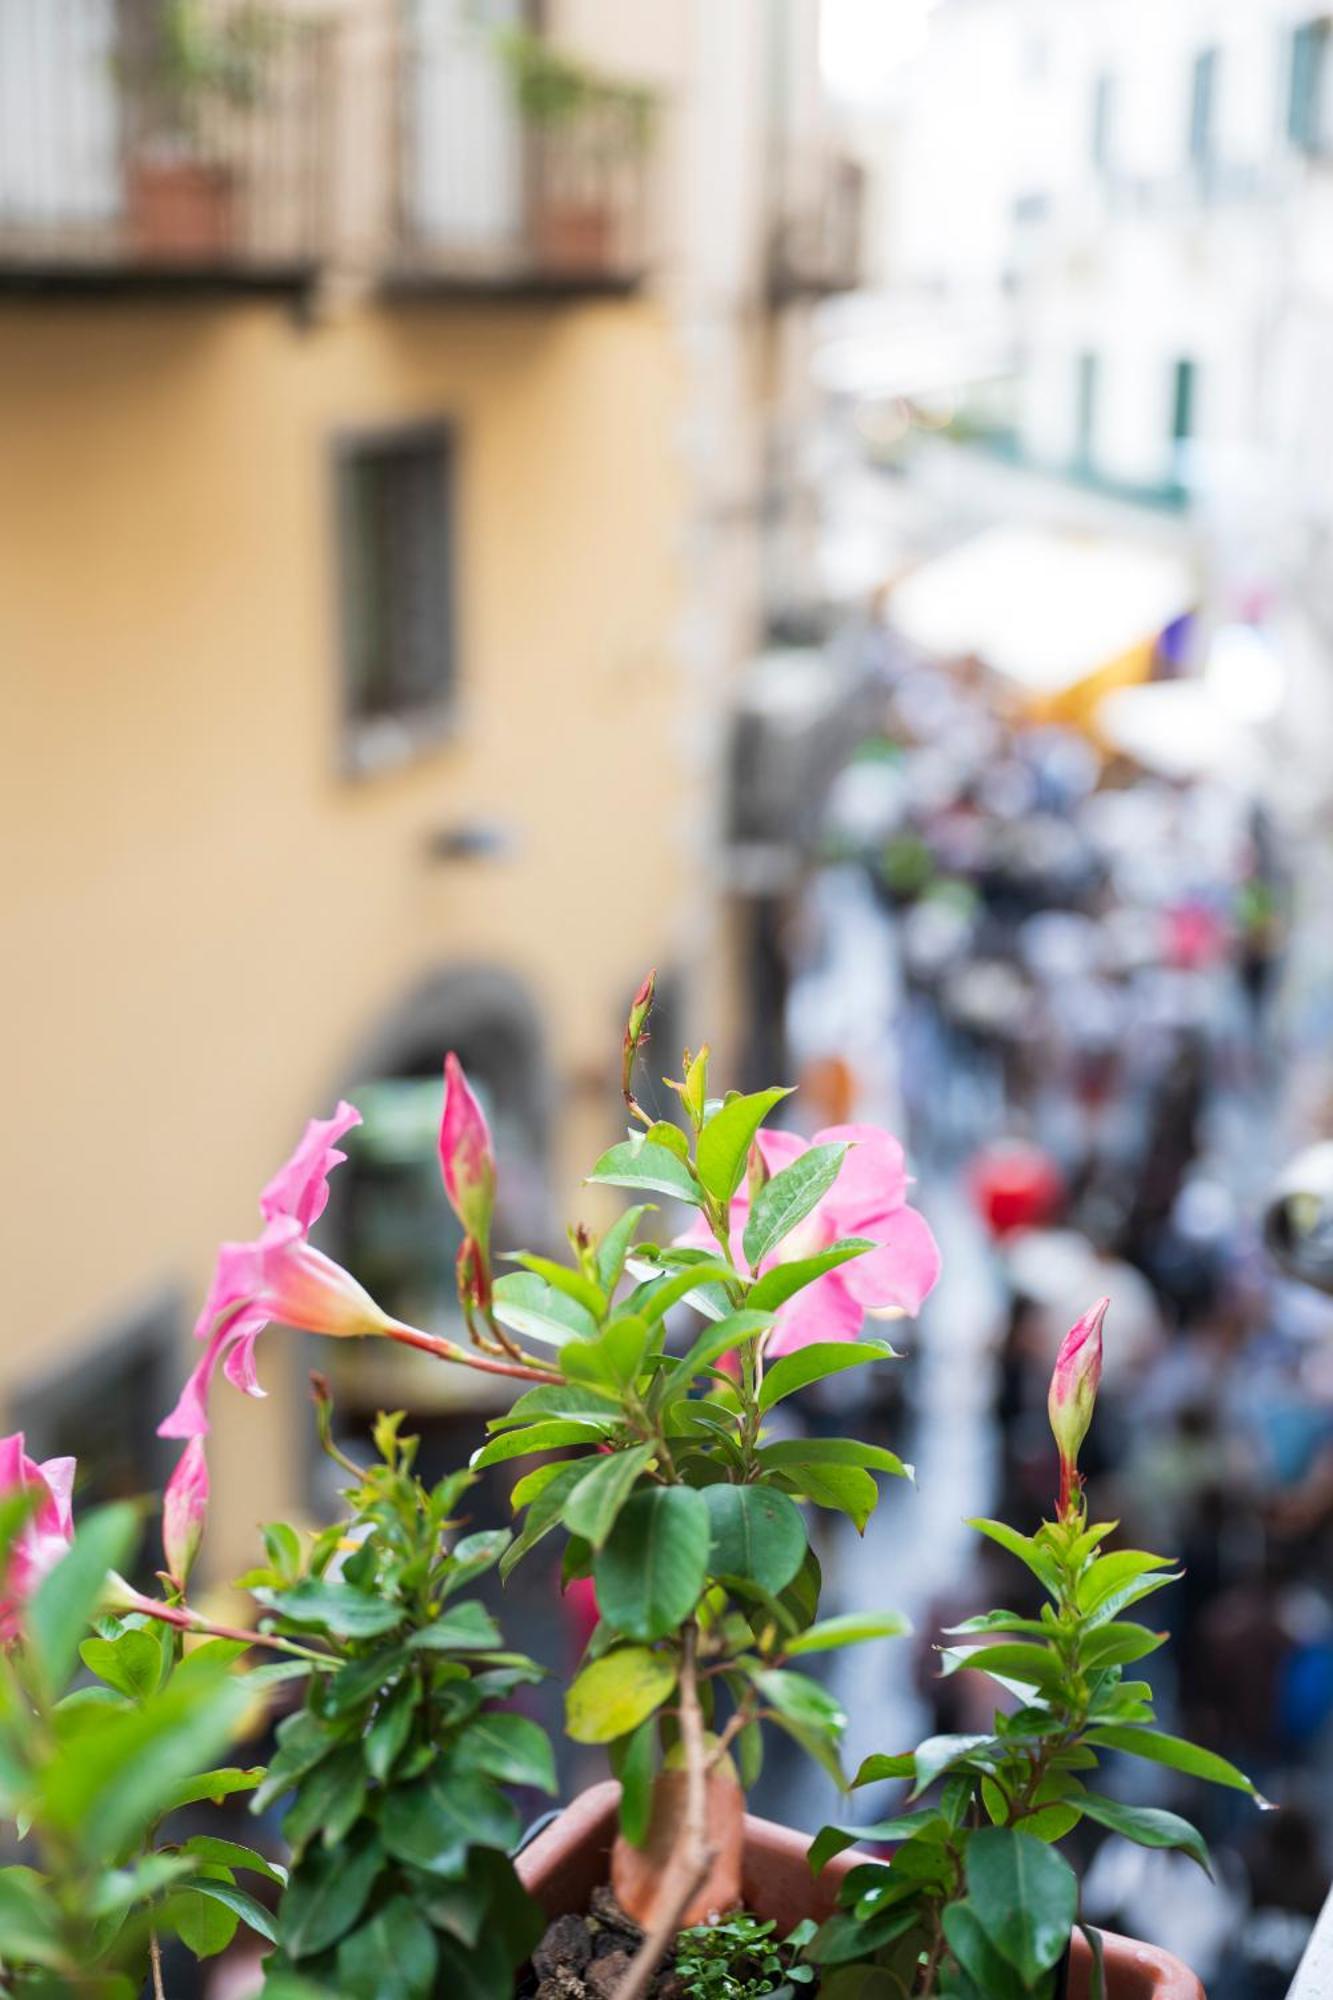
(180, 209)
(572, 1857)
(573, 236)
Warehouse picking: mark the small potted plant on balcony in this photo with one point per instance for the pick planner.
(182, 189)
(589, 132)
(683, 1513)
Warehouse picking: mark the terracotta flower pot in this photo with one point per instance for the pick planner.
(180, 209)
(572, 1857)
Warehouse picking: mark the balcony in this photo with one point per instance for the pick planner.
(519, 169)
(168, 146)
(224, 145)
(815, 244)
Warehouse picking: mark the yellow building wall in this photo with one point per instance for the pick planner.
(203, 917)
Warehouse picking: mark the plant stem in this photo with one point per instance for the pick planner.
(186, 1620)
(447, 1350)
(693, 1856)
(155, 1960)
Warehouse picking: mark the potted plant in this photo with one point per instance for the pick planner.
(586, 129)
(181, 191)
(685, 1515)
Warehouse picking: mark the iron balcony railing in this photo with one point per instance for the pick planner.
(516, 165)
(162, 135)
(239, 140)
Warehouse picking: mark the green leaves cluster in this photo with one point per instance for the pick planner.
(975, 1898)
(742, 1959)
(658, 1466)
(398, 1766)
(91, 1772)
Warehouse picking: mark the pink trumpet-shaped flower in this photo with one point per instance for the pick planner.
(467, 1158)
(184, 1507)
(1073, 1394)
(44, 1536)
(279, 1276)
(869, 1199)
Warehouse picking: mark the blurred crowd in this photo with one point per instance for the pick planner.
(1061, 973)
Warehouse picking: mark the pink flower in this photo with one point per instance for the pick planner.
(467, 1159)
(869, 1198)
(184, 1506)
(279, 1276)
(44, 1536)
(1073, 1393)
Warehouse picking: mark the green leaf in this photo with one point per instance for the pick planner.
(562, 1402)
(510, 1748)
(31, 1926)
(1148, 1826)
(652, 1571)
(212, 1787)
(938, 1754)
(473, 1555)
(1119, 1645)
(831, 1840)
(328, 1892)
(543, 1510)
(204, 1926)
(432, 1824)
(878, 1769)
(1024, 1896)
(1035, 1666)
(756, 1532)
(846, 1489)
(65, 1601)
(798, 1699)
(637, 1163)
(598, 1497)
(783, 1282)
(534, 1438)
(230, 1854)
(788, 1452)
(654, 1301)
(989, 1972)
(1042, 1564)
(634, 1761)
(132, 1662)
(788, 1198)
(392, 1957)
(725, 1141)
(1108, 1574)
(852, 1628)
(464, 1628)
(333, 1607)
(530, 1307)
(1173, 1751)
(573, 1284)
(716, 1340)
(390, 1730)
(813, 1363)
(615, 1245)
(618, 1692)
(614, 1359)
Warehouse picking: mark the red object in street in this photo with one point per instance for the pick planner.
(1015, 1186)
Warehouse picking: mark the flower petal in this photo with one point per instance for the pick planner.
(872, 1182)
(903, 1271)
(824, 1310)
(301, 1188)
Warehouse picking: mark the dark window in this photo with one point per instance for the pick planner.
(396, 530)
(1203, 106)
(1305, 87)
(1182, 402)
(1102, 137)
(1085, 409)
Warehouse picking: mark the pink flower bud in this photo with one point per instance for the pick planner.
(467, 1159)
(1073, 1394)
(184, 1506)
